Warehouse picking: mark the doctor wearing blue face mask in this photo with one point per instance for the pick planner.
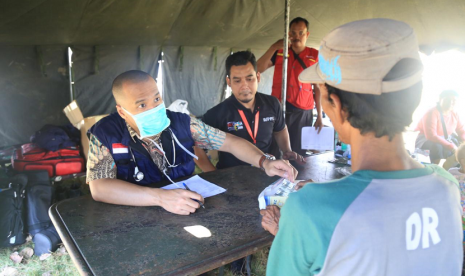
(143, 143)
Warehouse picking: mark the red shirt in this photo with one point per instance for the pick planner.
(298, 94)
(430, 125)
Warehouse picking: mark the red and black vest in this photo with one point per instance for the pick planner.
(299, 94)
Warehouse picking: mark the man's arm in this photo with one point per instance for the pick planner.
(292, 251)
(101, 175)
(115, 191)
(203, 162)
(431, 132)
(281, 135)
(208, 137)
(264, 62)
(247, 152)
(272, 214)
(319, 120)
(282, 138)
(270, 219)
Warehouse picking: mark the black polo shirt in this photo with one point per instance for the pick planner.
(225, 116)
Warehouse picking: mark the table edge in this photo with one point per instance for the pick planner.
(76, 256)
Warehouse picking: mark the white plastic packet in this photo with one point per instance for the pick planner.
(276, 193)
(344, 170)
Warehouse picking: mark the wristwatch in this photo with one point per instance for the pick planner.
(263, 158)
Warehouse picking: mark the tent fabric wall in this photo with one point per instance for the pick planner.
(30, 99)
(246, 23)
(195, 79)
(93, 85)
(35, 87)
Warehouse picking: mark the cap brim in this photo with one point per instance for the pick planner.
(310, 75)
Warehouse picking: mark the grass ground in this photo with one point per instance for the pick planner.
(59, 264)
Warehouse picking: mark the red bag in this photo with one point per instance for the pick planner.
(60, 162)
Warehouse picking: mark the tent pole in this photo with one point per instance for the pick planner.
(285, 55)
(70, 67)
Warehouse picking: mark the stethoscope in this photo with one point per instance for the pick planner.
(138, 175)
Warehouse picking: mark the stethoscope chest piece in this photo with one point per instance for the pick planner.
(138, 176)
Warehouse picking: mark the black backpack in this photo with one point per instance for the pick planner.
(53, 138)
(12, 212)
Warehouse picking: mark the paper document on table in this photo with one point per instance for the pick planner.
(198, 185)
(312, 140)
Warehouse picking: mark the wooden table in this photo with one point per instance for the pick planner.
(105, 239)
(318, 168)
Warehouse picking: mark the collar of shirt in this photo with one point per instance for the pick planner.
(155, 153)
(238, 105)
(147, 141)
(135, 135)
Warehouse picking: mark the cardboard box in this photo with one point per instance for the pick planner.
(74, 114)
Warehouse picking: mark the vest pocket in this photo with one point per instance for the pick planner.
(122, 166)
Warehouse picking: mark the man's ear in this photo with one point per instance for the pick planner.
(121, 112)
(228, 81)
(339, 113)
(258, 76)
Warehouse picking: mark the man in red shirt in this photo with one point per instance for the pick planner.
(432, 136)
(300, 97)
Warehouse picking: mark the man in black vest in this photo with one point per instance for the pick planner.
(143, 143)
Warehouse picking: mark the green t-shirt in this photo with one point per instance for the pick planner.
(372, 223)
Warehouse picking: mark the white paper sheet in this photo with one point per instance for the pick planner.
(312, 140)
(198, 185)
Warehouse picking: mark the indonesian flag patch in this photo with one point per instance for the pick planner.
(119, 148)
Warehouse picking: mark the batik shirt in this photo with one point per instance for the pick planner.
(100, 163)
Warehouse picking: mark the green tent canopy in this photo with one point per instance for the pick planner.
(196, 36)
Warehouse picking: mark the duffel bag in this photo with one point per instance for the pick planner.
(31, 152)
(60, 162)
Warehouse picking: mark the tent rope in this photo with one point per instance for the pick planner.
(215, 58)
(96, 60)
(181, 58)
(40, 58)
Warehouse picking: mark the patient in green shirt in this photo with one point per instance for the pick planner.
(393, 215)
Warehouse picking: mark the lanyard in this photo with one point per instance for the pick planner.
(246, 123)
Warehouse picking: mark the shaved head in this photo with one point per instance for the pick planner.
(133, 76)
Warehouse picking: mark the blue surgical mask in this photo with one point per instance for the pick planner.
(151, 122)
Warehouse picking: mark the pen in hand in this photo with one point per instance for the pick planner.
(187, 188)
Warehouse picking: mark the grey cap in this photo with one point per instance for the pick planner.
(357, 56)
